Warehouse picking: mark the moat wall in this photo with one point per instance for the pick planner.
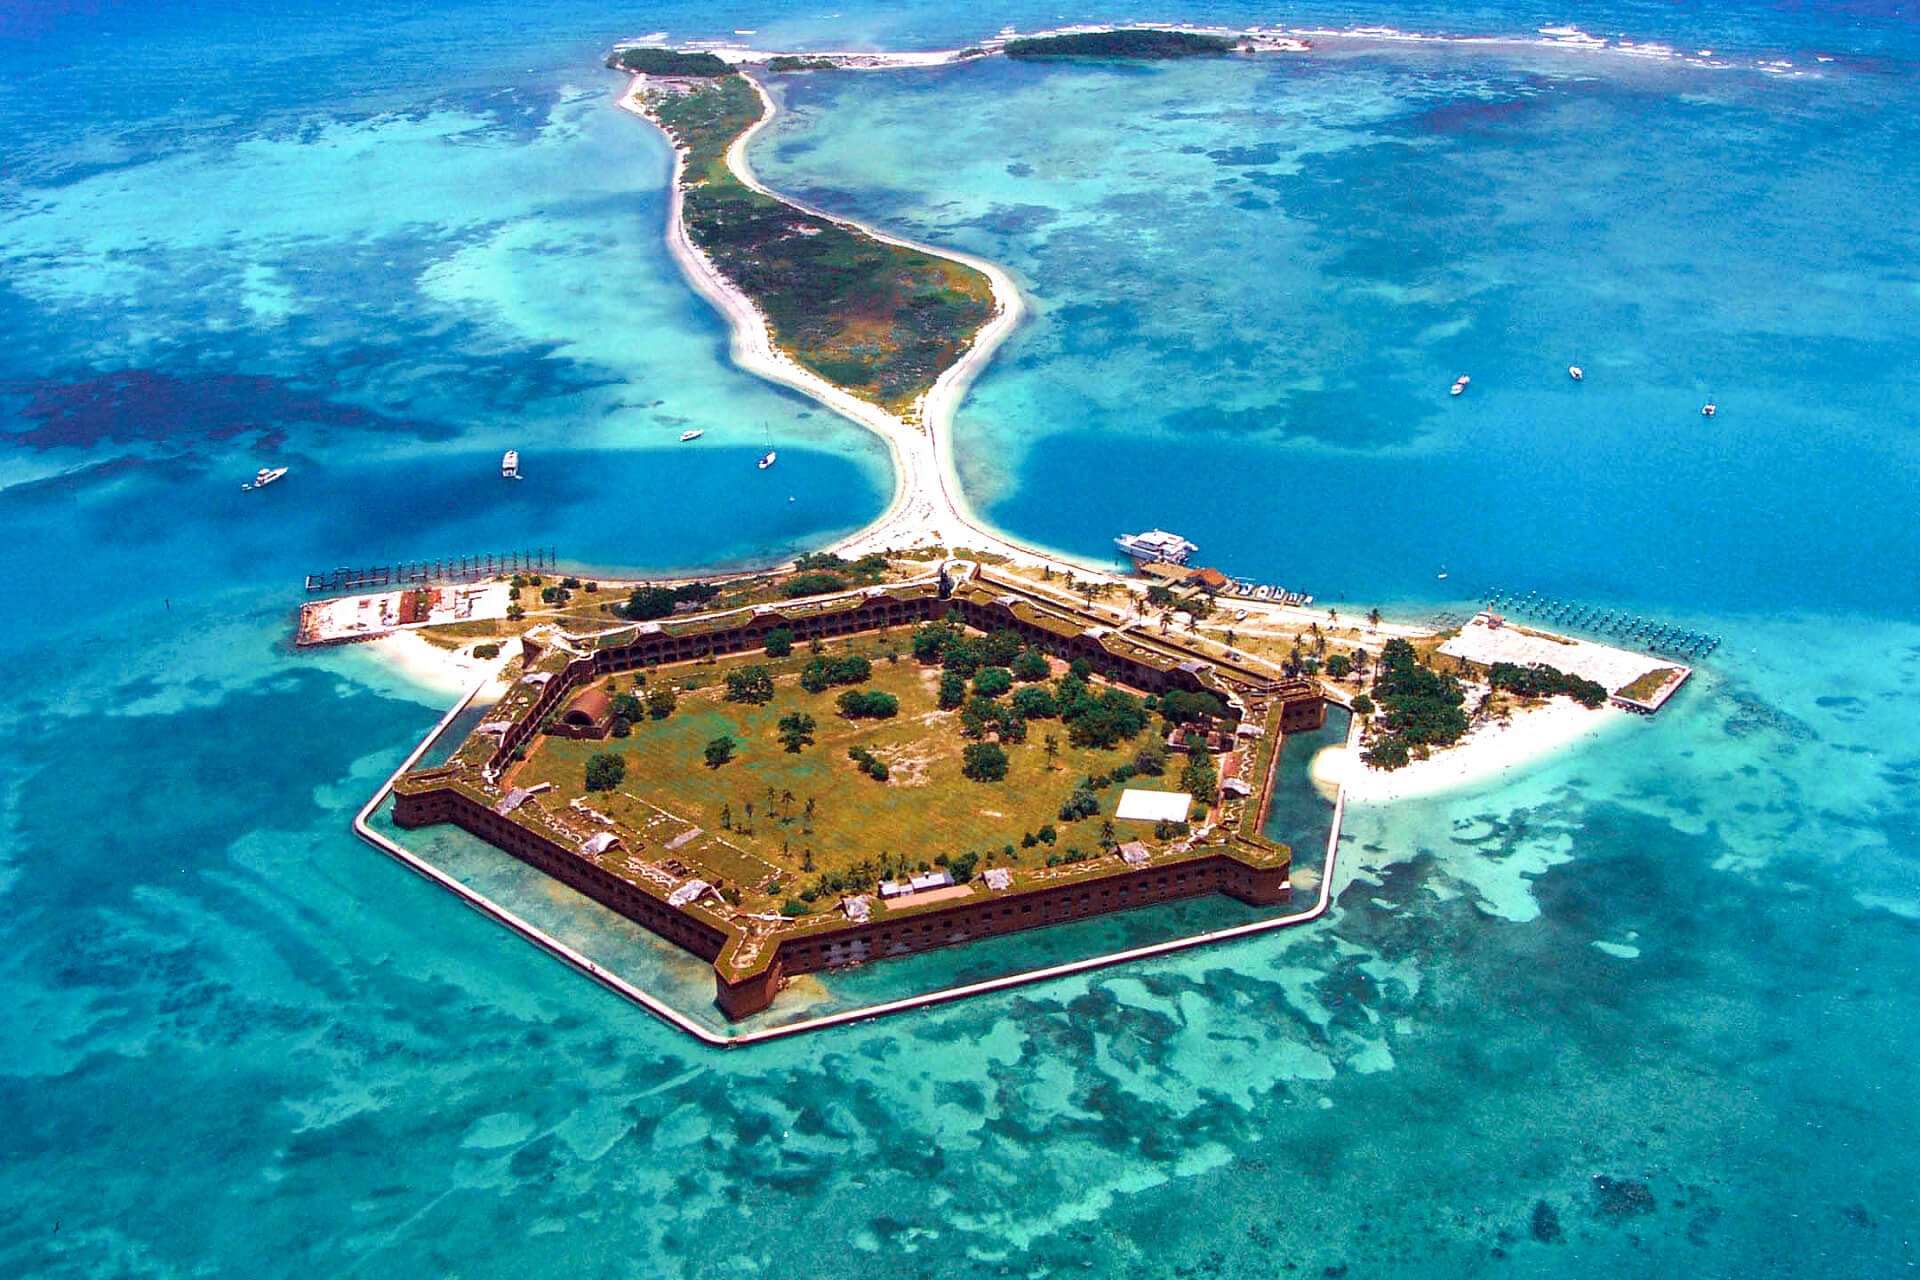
(852, 943)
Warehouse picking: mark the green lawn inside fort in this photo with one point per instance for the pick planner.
(774, 816)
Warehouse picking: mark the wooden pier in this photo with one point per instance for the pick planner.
(411, 572)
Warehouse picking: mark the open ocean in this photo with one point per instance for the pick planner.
(1648, 1011)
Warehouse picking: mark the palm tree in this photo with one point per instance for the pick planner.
(1052, 745)
(1373, 617)
(1230, 638)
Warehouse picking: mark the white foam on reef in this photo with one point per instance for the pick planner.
(1565, 38)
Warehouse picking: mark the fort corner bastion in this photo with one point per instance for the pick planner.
(663, 871)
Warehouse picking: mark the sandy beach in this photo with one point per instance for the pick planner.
(1490, 753)
(452, 670)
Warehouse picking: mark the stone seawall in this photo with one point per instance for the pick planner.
(744, 989)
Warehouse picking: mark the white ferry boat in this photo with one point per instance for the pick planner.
(1459, 384)
(768, 460)
(264, 477)
(1156, 544)
(690, 435)
(510, 465)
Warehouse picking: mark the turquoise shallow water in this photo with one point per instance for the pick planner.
(1641, 1012)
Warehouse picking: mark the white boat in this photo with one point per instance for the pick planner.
(510, 465)
(1708, 409)
(768, 460)
(690, 435)
(1575, 372)
(1459, 385)
(264, 477)
(1156, 544)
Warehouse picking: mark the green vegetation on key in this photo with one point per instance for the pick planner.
(1420, 708)
(881, 321)
(669, 62)
(1136, 43)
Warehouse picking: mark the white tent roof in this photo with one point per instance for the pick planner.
(1153, 806)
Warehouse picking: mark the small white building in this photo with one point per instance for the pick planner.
(998, 878)
(1137, 805)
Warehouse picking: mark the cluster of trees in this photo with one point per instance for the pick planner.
(984, 761)
(1420, 707)
(868, 704)
(1181, 707)
(752, 684)
(787, 62)
(822, 673)
(1100, 720)
(811, 584)
(991, 682)
(964, 654)
(1542, 681)
(720, 751)
(1342, 665)
(605, 769)
(648, 603)
(870, 764)
(670, 62)
(862, 572)
(779, 642)
(630, 708)
(995, 662)
(1134, 42)
(1200, 778)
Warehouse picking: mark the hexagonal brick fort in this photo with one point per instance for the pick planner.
(751, 953)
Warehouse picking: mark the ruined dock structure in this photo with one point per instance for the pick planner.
(659, 877)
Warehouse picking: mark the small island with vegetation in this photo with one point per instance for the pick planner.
(1136, 44)
(871, 316)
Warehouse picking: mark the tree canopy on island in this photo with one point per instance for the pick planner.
(605, 769)
(1420, 707)
(652, 61)
(1140, 43)
(1542, 681)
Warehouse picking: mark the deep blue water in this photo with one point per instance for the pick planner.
(1642, 1011)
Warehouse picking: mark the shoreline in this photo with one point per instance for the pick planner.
(450, 671)
(1489, 755)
